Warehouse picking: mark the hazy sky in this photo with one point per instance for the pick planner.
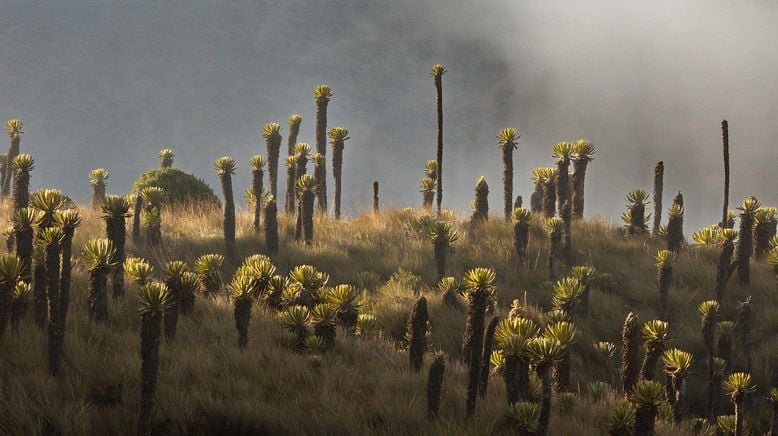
(108, 83)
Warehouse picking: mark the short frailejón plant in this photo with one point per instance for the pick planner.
(153, 299)
(115, 211)
(417, 333)
(97, 178)
(443, 236)
(521, 219)
(22, 165)
(481, 203)
(635, 217)
(664, 276)
(166, 157)
(737, 386)
(97, 256)
(479, 286)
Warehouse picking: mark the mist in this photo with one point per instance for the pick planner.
(108, 84)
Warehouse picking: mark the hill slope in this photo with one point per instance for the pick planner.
(363, 386)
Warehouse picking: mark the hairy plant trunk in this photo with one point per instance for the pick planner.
(724, 348)
(229, 216)
(116, 232)
(294, 130)
(24, 251)
(567, 245)
(562, 183)
(98, 298)
(653, 352)
(427, 199)
(637, 224)
(630, 353)
(644, 420)
(256, 190)
(376, 208)
(136, 220)
(579, 177)
(709, 338)
(273, 152)
(271, 226)
(98, 195)
(481, 209)
(507, 180)
(664, 277)
(583, 307)
(744, 249)
(675, 233)
(659, 175)
(555, 240)
(544, 372)
(435, 385)
(739, 417)
(724, 269)
(486, 355)
(439, 153)
(18, 313)
(307, 209)
(440, 249)
(298, 220)
(714, 397)
(321, 148)
(679, 386)
(725, 141)
(153, 228)
(6, 302)
(743, 324)
(66, 248)
(337, 172)
(10, 172)
(510, 375)
(472, 345)
(520, 241)
(187, 302)
(761, 238)
(21, 192)
(417, 329)
(149, 371)
(562, 371)
(40, 301)
(549, 199)
(56, 328)
(536, 199)
(170, 314)
(242, 315)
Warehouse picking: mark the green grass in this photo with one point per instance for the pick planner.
(207, 385)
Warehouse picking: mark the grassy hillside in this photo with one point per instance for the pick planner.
(208, 385)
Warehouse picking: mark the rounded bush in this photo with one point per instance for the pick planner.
(179, 187)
